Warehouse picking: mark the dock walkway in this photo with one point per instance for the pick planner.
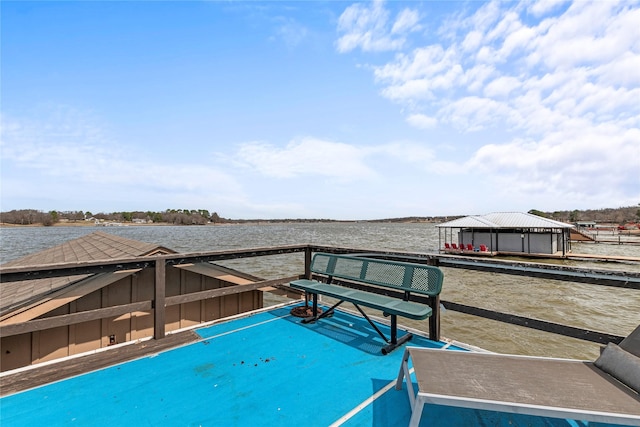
(594, 257)
(604, 257)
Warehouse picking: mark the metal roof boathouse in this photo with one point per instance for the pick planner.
(511, 233)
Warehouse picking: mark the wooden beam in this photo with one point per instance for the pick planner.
(64, 296)
(73, 318)
(17, 274)
(227, 290)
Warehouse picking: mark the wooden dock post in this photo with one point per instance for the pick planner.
(159, 299)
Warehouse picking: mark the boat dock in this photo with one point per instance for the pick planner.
(570, 256)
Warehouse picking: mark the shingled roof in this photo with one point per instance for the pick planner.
(16, 297)
(96, 246)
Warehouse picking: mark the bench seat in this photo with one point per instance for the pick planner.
(388, 305)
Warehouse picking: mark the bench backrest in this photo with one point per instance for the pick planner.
(404, 276)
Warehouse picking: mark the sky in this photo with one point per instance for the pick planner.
(337, 110)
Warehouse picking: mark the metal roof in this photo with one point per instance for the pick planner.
(504, 220)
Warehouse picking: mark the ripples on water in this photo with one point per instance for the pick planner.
(606, 309)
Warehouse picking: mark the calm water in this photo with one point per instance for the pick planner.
(611, 310)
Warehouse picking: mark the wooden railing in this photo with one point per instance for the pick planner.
(160, 301)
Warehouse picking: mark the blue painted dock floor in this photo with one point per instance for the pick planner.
(266, 369)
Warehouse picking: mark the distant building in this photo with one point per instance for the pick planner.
(586, 224)
(509, 233)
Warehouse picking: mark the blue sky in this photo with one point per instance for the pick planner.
(343, 110)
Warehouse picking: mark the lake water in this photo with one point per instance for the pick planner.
(606, 309)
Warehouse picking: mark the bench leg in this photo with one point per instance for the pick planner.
(315, 316)
(392, 343)
(373, 325)
(315, 305)
(392, 346)
(395, 342)
(394, 329)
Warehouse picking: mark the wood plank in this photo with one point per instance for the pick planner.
(228, 290)
(73, 318)
(65, 295)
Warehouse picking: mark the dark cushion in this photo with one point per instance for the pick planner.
(620, 364)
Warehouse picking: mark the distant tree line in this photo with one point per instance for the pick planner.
(610, 215)
(171, 216)
(621, 215)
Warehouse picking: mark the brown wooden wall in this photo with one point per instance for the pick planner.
(41, 346)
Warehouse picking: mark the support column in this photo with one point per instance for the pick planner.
(307, 263)
(434, 320)
(159, 299)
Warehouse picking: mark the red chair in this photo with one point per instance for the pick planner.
(454, 246)
(469, 247)
(447, 246)
(483, 248)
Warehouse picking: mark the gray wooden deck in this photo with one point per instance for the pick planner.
(37, 376)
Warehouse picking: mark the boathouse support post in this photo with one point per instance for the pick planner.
(159, 299)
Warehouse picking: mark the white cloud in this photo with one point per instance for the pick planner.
(438, 75)
(482, 20)
(474, 78)
(501, 87)
(407, 20)
(422, 121)
(423, 62)
(418, 76)
(66, 147)
(474, 113)
(471, 41)
(543, 7)
(620, 71)
(291, 32)
(588, 33)
(407, 152)
(567, 162)
(557, 83)
(367, 26)
(308, 156)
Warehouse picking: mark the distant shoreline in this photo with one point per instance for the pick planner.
(229, 223)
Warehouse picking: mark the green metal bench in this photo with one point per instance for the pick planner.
(383, 279)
